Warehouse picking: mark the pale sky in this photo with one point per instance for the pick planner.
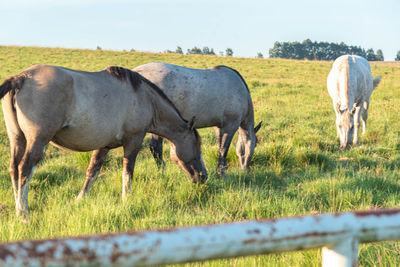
(246, 26)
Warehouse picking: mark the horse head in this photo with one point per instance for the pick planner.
(345, 125)
(187, 154)
(245, 145)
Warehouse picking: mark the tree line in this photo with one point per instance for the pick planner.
(304, 50)
(205, 51)
(321, 51)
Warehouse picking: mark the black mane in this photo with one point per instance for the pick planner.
(135, 79)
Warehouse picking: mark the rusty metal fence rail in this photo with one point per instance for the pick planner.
(339, 234)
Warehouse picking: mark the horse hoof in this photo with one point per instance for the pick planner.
(221, 172)
(80, 197)
(23, 216)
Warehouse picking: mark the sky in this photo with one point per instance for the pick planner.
(245, 26)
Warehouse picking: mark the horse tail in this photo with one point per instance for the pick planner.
(12, 84)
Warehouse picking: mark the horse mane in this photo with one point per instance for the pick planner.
(135, 79)
(124, 74)
(240, 76)
(163, 95)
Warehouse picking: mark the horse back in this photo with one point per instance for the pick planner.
(211, 95)
(79, 110)
(350, 81)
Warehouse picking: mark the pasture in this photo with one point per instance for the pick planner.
(297, 168)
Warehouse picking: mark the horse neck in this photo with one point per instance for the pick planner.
(166, 122)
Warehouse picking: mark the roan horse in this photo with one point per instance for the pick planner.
(350, 84)
(216, 97)
(84, 111)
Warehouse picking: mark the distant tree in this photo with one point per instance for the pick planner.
(309, 49)
(98, 48)
(397, 56)
(205, 51)
(318, 50)
(379, 55)
(260, 55)
(229, 52)
(195, 50)
(133, 50)
(371, 55)
(275, 51)
(221, 53)
(179, 50)
(208, 51)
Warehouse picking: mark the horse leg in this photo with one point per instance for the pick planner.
(364, 115)
(131, 149)
(17, 144)
(156, 148)
(356, 125)
(224, 137)
(96, 161)
(245, 147)
(33, 153)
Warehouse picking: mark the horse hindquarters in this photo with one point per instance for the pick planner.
(26, 151)
(32, 127)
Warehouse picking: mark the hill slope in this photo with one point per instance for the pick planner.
(297, 167)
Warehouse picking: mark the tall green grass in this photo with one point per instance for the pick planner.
(297, 167)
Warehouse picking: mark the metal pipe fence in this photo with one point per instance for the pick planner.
(339, 235)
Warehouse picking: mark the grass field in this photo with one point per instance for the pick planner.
(297, 168)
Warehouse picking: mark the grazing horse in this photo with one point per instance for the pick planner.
(84, 111)
(350, 84)
(216, 97)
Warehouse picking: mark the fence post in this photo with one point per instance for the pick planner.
(343, 254)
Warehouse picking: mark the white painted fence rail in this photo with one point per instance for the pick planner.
(339, 234)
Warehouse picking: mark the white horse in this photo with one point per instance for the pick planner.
(350, 84)
(217, 97)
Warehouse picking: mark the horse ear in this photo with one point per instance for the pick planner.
(257, 127)
(191, 123)
(376, 81)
